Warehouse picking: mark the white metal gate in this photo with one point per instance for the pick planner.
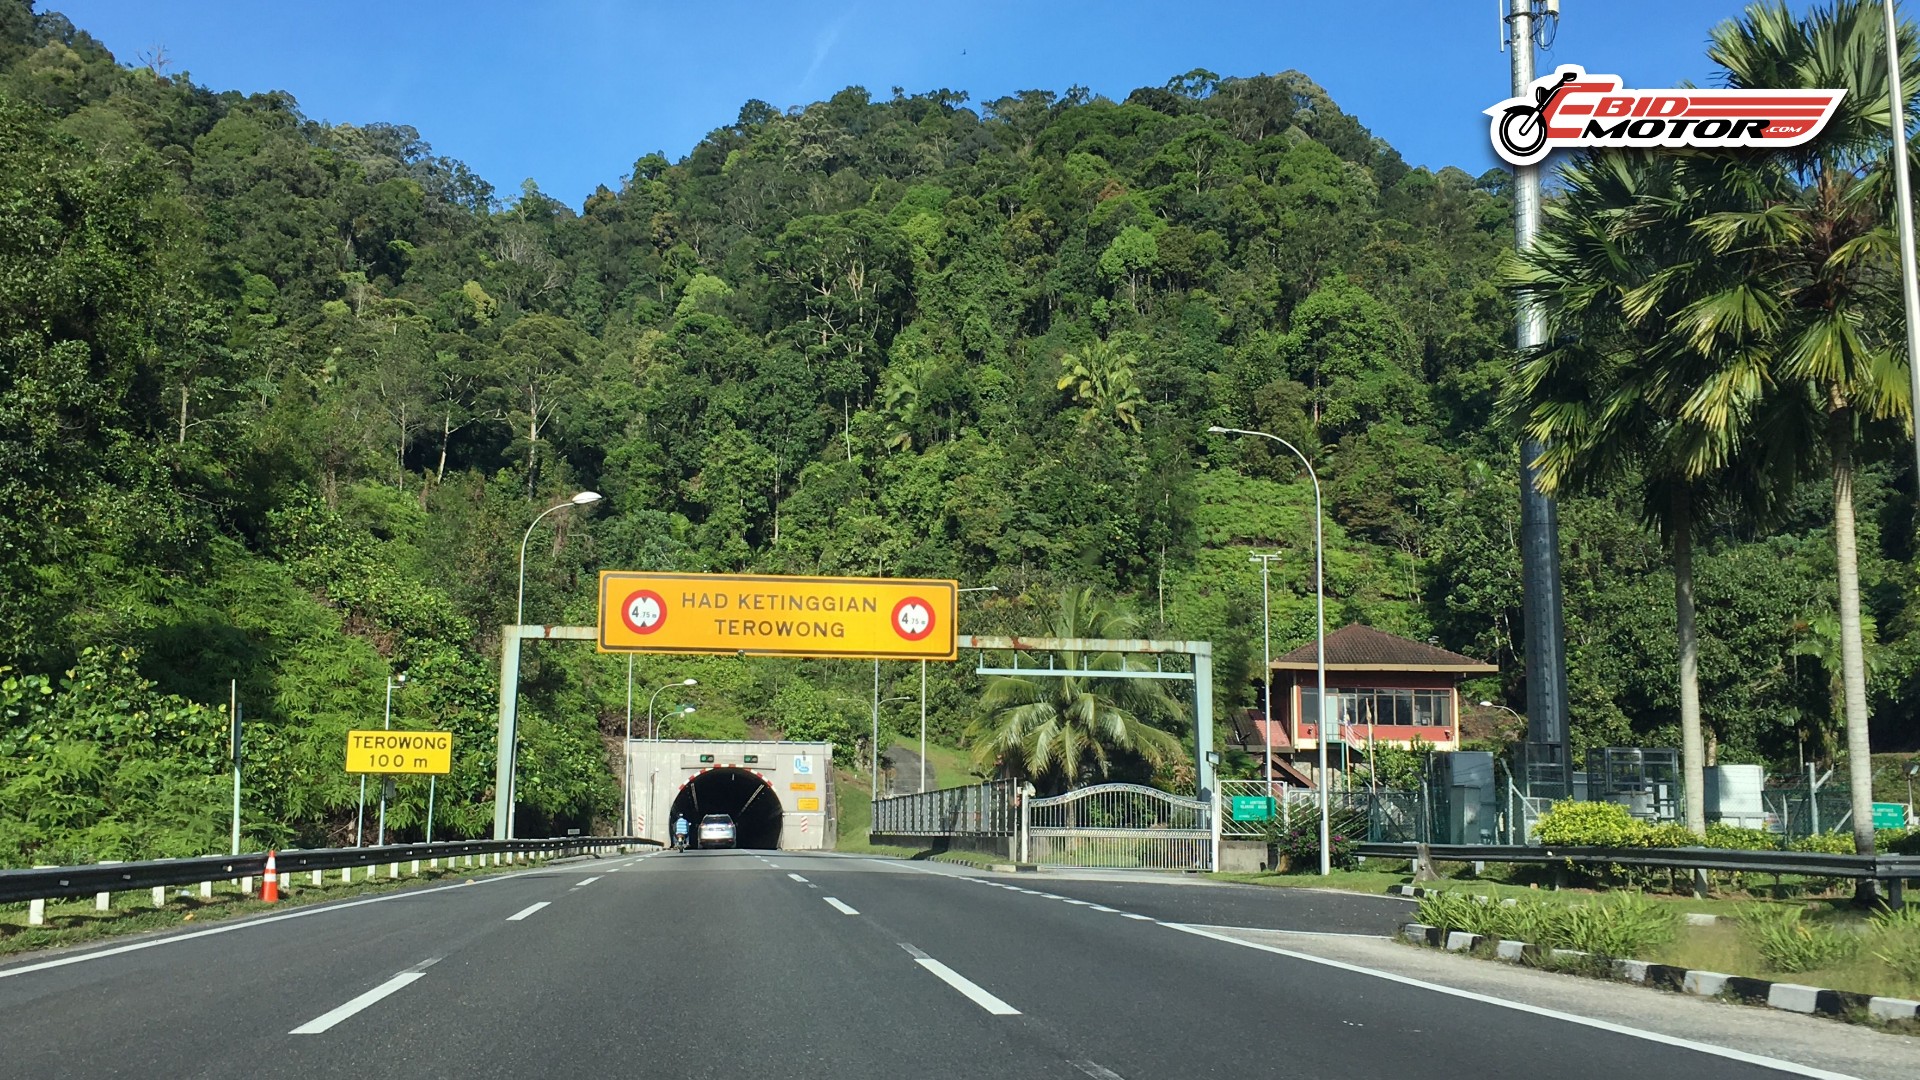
(1118, 826)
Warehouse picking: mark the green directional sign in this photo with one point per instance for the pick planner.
(1252, 808)
(1886, 815)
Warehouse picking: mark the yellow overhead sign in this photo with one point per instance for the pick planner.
(878, 618)
(400, 752)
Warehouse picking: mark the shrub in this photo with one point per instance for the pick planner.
(1624, 924)
(1787, 942)
(1897, 932)
(1735, 838)
(1589, 824)
(1897, 841)
(1667, 834)
(1451, 911)
(1827, 843)
(1303, 846)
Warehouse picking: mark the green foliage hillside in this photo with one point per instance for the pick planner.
(279, 398)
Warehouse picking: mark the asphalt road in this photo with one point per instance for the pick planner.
(737, 963)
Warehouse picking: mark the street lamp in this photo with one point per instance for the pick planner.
(1320, 614)
(385, 725)
(626, 750)
(584, 498)
(656, 697)
(684, 710)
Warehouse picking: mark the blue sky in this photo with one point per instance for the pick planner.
(570, 93)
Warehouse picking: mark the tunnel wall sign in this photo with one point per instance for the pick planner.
(761, 615)
(420, 752)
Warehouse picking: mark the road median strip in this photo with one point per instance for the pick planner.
(1791, 997)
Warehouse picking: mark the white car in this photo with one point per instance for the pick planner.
(716, 830)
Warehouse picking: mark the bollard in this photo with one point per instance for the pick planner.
(284, 876)
(393, 870)
(36, 913)
(159, 896)
(416, 867)
(246, 885)
(102, 901)
(316, 876)
(206, 890)
(346, 875)
(433, 864)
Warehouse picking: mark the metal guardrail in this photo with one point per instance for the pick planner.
(1813, 864)
(53, 883)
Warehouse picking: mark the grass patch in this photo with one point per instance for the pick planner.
(854, 824)
(76, 922)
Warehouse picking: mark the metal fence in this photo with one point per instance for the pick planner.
(1120, 826)
(980, 810)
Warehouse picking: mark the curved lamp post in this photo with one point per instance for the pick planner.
(584, 498)
(626, 793)
(1320, 614)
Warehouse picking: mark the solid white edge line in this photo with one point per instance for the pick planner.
(1142, 918)
(528, 910)
(961, 983)
(317, 909)
(333, 1016)
(798, 878)
(1520, 1006)
(838, 906)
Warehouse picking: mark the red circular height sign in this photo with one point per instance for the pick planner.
(644, 611)
(913, 618)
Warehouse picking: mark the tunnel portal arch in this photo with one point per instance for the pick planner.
(743, 794)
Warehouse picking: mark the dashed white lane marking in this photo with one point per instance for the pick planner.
(1096, 1070)
(528, 910)
(838, 906)
(333, 1016)
(1521, 1006)
(798, 878)
(966, 986)
(589, 881)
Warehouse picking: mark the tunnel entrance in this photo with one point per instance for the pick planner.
(744, 796)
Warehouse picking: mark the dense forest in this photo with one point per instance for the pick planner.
(278, 400)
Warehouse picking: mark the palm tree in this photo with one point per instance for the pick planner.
(1058, 728)
(1811, 310)
(1106, 381)
(1615, 260)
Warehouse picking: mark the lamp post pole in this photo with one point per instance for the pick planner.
(386, 724)
(1266, 669)
(512, 750)
(1320, 617)
(923, 695)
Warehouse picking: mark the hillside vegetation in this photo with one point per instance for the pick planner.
(278, 400)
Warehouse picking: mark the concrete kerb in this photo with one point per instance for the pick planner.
(1789, 997)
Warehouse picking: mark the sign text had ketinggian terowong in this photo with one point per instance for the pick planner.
(762, 615)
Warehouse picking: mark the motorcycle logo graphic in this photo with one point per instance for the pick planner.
(1572, 108)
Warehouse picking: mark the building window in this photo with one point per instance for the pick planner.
(1381, 707)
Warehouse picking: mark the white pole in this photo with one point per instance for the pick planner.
(626, 760)
(1909, 278)
(1266, 672)
(386, 724)
(1320, 616)
(432, 782)
(875, 777)
(233, 713)
(923, 725)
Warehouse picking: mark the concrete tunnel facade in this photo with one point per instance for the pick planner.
(780, 794)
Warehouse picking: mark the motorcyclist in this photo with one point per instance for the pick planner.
(680, 832)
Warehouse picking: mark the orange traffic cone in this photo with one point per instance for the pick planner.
(270, 888)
